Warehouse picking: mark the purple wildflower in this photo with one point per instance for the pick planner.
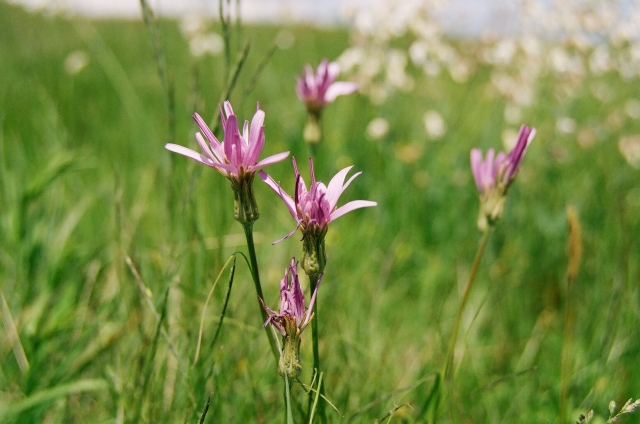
(318, 89)
(499, 171)
(292, 319)
(236, 157)
(314, 209)
(494, 175)
(238, 153)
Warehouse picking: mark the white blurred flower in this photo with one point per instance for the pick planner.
(434, 124)
(192, 25)
(509, 139)
(76, 61)
(632, 107)
(566, 125)
(285, 39)
(377, 128)
(600, 60)
(630, 148)
(210, 43)
(396, 75)
(512, 114)
(459, 71)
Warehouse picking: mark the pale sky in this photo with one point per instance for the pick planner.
(470, 16)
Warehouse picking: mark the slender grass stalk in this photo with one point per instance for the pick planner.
(448, 365)
(255, 274)
(315, 400)
(434, 397)
(575, 254)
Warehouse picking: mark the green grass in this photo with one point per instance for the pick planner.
(85, 183)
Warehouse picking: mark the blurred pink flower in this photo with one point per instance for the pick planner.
(237, 155)
(318, 89)
(499, 171)
(495, 173)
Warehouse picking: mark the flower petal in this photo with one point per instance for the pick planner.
(356, 204)
(191, 154)
(270, 160)
(338, 89)
(288, 201)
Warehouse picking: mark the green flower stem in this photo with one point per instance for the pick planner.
(313, 282)
(248, 232)
(446, 372)
(287, 401)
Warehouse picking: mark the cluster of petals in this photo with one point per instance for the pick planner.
(498, 171)
(315, 208)
(318, 89)
(293, 315)
(238, 153)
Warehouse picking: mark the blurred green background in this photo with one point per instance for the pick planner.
(89, 193)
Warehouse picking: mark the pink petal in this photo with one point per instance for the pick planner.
(356, 204)
(337, 185)
(205, 148)
(288, 201)
(476, 164)
(189, 153)
(255, 148)
(270, 160)
(339, 88)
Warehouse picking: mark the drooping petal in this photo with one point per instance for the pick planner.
(476, 164)
(278, 157)
(191, 154)
(311, 303)
(338, 89)
(288, 201)
(355, 204)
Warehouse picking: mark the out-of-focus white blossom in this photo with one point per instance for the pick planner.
(632, 108)
(210, 43)
(434, 124)
(285, 39)
(75, 62)
(201, 42)
(629, 146)
(566, 125)
(377, 128)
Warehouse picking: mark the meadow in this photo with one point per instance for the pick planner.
(110, 244)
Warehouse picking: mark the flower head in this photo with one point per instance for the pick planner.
(236, 157)
(318, 89)
(292, 319)
(314, 209)
(494, 175)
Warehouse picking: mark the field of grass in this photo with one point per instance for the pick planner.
(109, 246)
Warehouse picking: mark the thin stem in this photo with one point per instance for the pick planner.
(446, 372)
(248, 232)
(287, 401)
(313, 283)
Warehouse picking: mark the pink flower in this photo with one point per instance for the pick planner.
(293, 317)
(237, 155)
(494, 174)
(319, 89)
(499, 171)
(315, 208)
